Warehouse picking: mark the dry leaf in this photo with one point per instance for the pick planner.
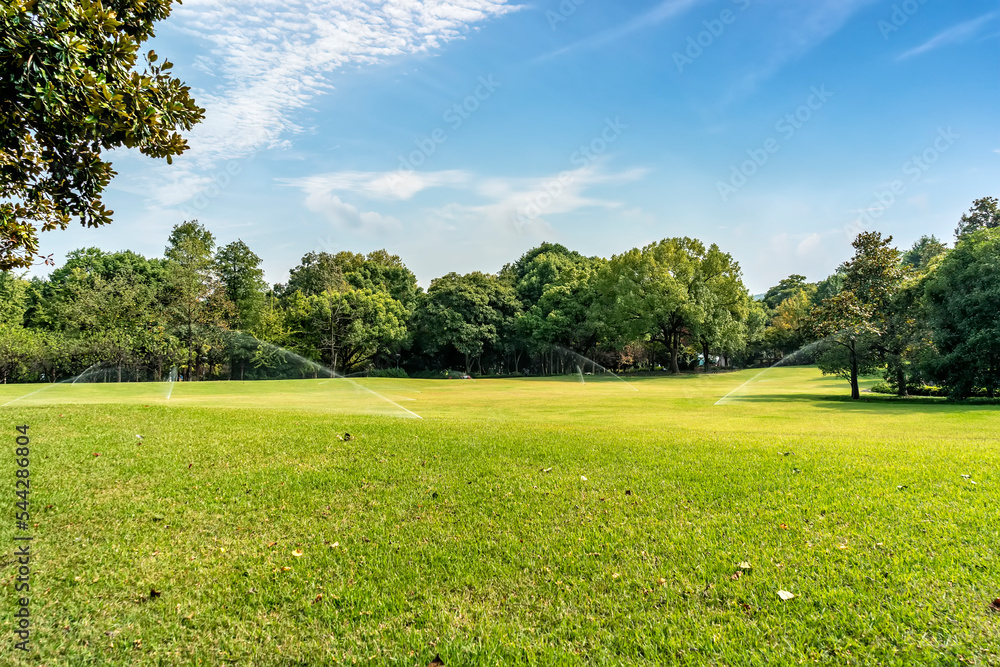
(995, 605)
(297, 553)
(783, 526)
(745, 566)
(785, 595)
(735, 575)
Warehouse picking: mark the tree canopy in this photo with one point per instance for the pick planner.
(71, 90)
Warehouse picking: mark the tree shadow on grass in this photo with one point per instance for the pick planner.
(871, 402)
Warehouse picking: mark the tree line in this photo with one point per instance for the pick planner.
(923, 316)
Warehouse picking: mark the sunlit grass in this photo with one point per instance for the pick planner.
(472, 533)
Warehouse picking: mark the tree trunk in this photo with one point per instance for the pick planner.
(900, 380)
(468, 365)
(855, 391)
(674, 345)
(704, 351)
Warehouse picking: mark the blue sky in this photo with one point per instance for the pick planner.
(460, 133)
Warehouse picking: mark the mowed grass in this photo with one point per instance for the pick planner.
(472, 533)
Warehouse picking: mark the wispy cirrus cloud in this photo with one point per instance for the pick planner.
(272, 57)
(666, 9)
(955, 34)
(795, 29)
(397, 185)
(486, 200)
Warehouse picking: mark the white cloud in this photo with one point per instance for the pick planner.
(809, 244)
(398, 185)
(272, 57)
(514, 204)
(956, 33)
(346, 217)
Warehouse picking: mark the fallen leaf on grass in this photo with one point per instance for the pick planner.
(297, 553)
(745, 566)
(995, 605)
(785, 595)
(735, 575)
(546, 469)
(783, 526)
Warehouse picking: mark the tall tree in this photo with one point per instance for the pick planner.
(238, 269)
(725, 302)
(557, 292)
(69, 92)
(198, 304)
(13, 298)
(853, 319)
(786, 287)
(350, 327)
(963, 302)
(984, 214)
(318, 272)
(649, 294)
(923, 253)
(466, 313)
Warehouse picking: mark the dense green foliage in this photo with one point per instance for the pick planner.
(923, 317)
(71, 91)
(208, 312)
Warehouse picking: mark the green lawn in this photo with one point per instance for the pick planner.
(529, 521)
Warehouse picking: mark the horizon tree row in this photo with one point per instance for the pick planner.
(674, 304)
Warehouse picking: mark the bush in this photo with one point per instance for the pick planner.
(388, 373)
(918, 390)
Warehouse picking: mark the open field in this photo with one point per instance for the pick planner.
(472, 533)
